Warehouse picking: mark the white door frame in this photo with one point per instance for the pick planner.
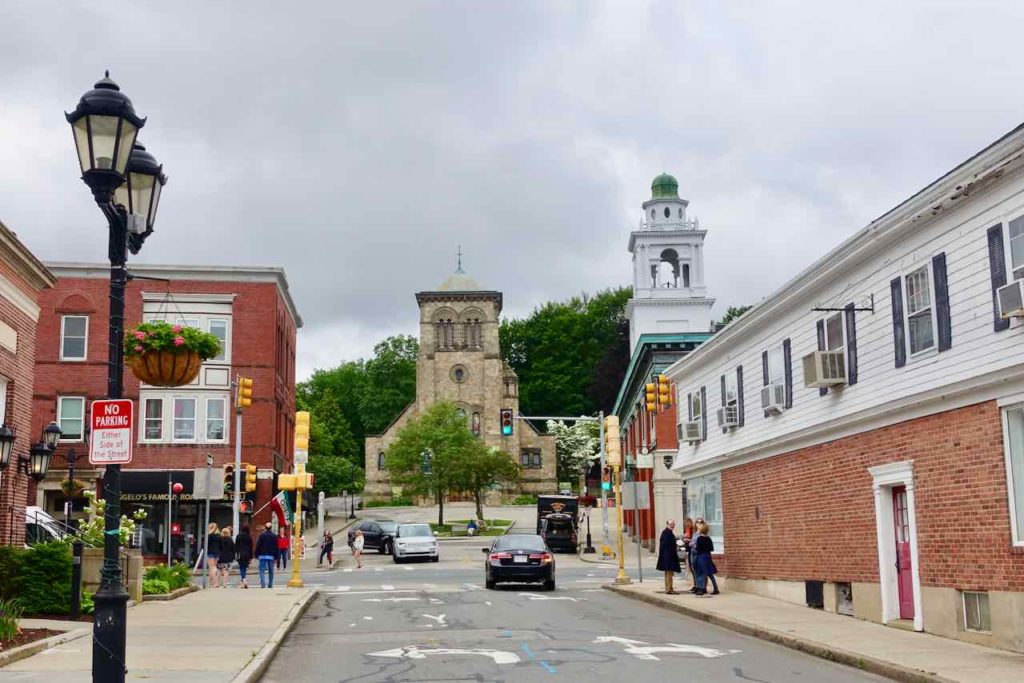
(885, 479)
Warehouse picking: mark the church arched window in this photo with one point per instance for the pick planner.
(444, 330)
(380, 460)
(475, 425)
(668, 269)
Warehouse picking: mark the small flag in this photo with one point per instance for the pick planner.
(282, 507)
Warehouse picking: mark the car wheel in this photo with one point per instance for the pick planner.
(549, 585)
(435, 558)
(383, 549)
(490, 584)
(397, 559)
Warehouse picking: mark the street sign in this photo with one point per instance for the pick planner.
(301, 457)
(207, 485)
(645, 461)
(110, 441)
(635, 495)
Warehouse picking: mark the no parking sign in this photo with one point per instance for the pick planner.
(111, 437)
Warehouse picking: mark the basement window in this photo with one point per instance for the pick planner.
(976, 615)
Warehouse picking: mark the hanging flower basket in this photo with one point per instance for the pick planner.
(165, 355)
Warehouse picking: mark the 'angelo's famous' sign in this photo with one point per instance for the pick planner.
(110, 442)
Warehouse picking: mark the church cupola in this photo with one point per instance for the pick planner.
(665, 210)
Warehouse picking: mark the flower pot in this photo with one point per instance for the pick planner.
(166, 368)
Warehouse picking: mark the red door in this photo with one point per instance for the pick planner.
(901, 520)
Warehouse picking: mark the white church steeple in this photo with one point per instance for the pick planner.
(668, 267)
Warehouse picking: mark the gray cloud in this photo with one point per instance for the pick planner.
(357, 144)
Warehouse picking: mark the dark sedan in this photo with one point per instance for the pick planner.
(378, 535)
(519, 558)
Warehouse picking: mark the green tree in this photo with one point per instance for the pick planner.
(334, 474)
(428, 452)
(732, 313)
(390, 382)
(558, 349)
(576, 446)
(482, 468)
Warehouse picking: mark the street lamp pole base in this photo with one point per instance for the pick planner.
(622, 580)
(109, 635)
(296, 583)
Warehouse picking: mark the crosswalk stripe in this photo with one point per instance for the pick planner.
(342, 589)
(387, 587)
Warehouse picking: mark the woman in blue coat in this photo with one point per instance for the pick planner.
(703, 566)
(668, 557)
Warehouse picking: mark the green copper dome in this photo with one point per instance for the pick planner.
(665, 186)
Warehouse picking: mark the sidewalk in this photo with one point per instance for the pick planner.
(895, 653)
(209, 635)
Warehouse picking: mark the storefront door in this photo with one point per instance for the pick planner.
(904, 576)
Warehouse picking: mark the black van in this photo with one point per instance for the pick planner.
(559, 532)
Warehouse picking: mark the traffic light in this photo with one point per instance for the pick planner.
(250, 477)
(245, 507)
(606, 479)
(229, 479)
(651, 397)
(664, 392)
(302, 430)
(612, 450)
(243, 392)
(506, 422)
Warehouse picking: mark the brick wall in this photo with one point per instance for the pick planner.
(810, 514)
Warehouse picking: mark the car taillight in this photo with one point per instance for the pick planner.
(543, 557)
(572, 537)
(500, 556)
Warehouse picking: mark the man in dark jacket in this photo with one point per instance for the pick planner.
(266, 553)
(668, 558)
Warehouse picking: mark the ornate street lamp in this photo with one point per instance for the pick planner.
(105, 128)
(51, 435)
(668, 460)
(39, 460)
(6, 446)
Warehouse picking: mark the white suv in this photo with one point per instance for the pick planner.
(414, 540)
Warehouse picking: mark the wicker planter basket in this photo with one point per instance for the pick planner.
(166, 368)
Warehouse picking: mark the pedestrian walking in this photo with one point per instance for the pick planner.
(282, 548)
(357, 548)
(212, 553)
(243, 554)
(326, 549)
(687, 541)
(703, 564)
(266, 553)
(668, 556)
(227, 555)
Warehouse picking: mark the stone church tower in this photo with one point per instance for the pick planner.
(460, 361)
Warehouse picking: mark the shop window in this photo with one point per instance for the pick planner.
(1014, 450)
(704, 500)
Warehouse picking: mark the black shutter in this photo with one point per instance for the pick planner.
(997, 268)
(689, 409)
(821, 347)
(787, 364)
(899, 335)
(722, 380)
(942, 321)
(739, 396)
(764, 368)
(851, 344)
(703, 414)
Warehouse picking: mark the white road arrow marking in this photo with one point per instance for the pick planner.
(390, 599)
(435, 601)
(342, 589)
(439, 619)
(642, 650)
(415, 652)
(538, 596)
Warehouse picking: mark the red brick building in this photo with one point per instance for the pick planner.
(22, 279)
(249, 309)
(856, 440)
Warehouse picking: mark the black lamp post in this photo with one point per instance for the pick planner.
(6, 446)
(37, 464)
(105, 127)
(668, 460)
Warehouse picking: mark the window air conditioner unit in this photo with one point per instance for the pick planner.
(1011, 300)
(824, 369)
(691, 432)
(773, 399)
(728, 416)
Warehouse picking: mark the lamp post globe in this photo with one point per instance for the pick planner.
(177, 488)
(140, 194)
(6, 446)
(51, 435)
(39, 460)
(105, 126)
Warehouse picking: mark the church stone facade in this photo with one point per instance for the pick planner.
(460, 361)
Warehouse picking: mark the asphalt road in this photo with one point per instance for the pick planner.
(436, 622)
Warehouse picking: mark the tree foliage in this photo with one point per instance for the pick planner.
(334, 474)
(481, 469)
(558, 350)
(732, 313)
(576, 446)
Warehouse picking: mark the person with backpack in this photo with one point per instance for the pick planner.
(227, 555)
(266, 554)
(327, 548)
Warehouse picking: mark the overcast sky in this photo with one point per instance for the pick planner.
(357, 143)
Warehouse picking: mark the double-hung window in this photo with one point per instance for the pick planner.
(219, 328)
(834, 336)
(215, 419)
(1015, 230)
(1014, 445)
(153, 429)
(776, 366)
(184, 419)
(696, 409)
(919, 311)
(74, 335)
(71, 416)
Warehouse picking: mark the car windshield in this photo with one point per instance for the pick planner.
(388, 527)
(519, 542)
(407, 530)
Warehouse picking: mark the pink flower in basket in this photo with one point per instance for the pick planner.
(140, 335)
(179, 341)
(138, 347)
(177, 330)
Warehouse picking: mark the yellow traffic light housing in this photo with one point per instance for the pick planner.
(664, 392)
(612, 450)
(243, 393)
(286, 482)
(302, 430)
(651, 396)
(250, 477)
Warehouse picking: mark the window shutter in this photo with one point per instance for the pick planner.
(703, 414)
(941, 285)
(764, 368)
(739, 396)
(899, 335)
(689, 408)
(997, 268)
(722, 380)
(787, 364)
(821, 347)
(851, 344)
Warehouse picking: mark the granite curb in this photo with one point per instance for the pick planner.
(856, 660)
(257, 666)
(25, 651)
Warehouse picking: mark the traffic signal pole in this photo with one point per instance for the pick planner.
(237, 489)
